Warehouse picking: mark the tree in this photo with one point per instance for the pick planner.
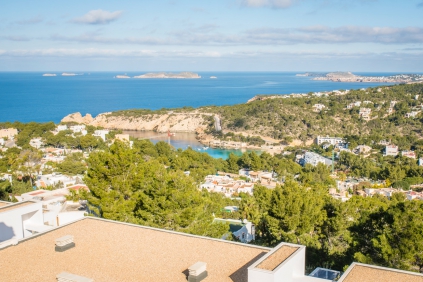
(127, 188)
(28, 162)
(295, 213)
(232, 163)
(395, 235)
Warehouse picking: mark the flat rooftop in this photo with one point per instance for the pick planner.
(275, 259)
(369, 273)
(113, 251)
(2, 203)
(14, 206)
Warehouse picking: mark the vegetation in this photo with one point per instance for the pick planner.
(146, 185)
(149, 184)
(294, 117)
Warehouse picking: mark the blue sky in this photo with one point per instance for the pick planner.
(218, 35)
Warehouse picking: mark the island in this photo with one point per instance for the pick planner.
(169, 75)
(49, 74)
(350, 77)
(122, 76)
(68, 74)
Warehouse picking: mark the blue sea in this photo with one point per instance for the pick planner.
(29, 96)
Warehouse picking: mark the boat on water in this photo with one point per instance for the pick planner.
(205, 148)
(213, 77)
(68, 74)
(49, 74)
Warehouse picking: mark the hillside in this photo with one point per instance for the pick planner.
(282, 117)
(379, 111)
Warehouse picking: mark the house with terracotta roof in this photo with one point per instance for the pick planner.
(408, 154)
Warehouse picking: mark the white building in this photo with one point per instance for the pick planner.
(247, 233)
(37, 143)
(164, 255)
(80, 128)
(391, 150)
(53, 179)
(355, 104)
(362, 149)
(408, 154)
(8, 133)
(412, 114)
(21, 220)
(318, 107)
(101, 133)
(226, 185)
(365, 113)
(331, 140)
(61, 127)
(313, 159)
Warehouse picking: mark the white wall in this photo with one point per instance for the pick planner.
(291, 270)
(12, 220)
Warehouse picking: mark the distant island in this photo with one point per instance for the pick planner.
(68, 74)
(350, 77)
(169, 75)
(49, 74)
(122, 76)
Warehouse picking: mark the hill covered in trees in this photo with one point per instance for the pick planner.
(288, 117)
(282, 117)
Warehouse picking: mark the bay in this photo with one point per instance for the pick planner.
(184, 141)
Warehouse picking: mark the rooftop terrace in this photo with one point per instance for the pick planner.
(112, 251)
(358, 272)
(14, 206)
(3, 203)
(275, 259)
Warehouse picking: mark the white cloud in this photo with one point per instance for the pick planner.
(282, 4)
(339, 35)
(98, 17)
(207, 36)
(106, 53)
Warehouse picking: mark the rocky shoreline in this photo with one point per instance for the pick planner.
(194, 122)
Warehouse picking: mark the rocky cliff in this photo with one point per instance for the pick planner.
(175, 122)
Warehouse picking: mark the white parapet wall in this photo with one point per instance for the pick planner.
(286, 262)
(14, 218)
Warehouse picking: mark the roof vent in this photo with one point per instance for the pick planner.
(197, 272)
(64, 243)
(69, 277)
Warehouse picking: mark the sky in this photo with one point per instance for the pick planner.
(212, 35)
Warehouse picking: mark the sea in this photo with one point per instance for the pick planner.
(30, 96)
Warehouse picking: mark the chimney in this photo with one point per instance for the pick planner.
(197, 272)
(69, 277)
(64, 243)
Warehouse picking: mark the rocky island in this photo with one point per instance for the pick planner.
(350, 77)
(169, 75)
(49, 74)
